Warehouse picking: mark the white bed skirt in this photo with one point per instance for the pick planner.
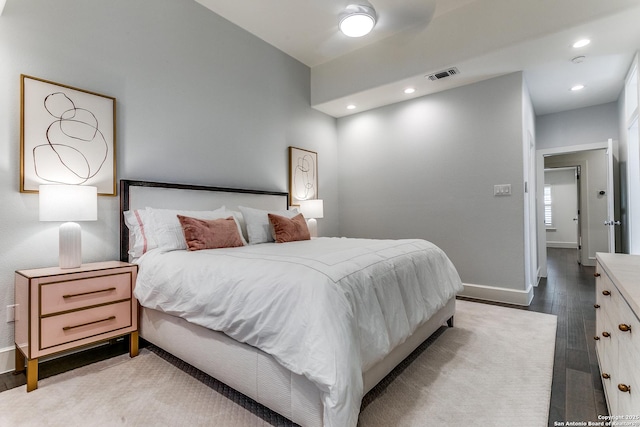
(257, 374)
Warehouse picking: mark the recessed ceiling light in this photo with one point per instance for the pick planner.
(409, 90)
(581, 43)
(351, 107)
(577, 87)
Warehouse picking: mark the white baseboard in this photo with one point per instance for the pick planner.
(492, 293)
(7, 359)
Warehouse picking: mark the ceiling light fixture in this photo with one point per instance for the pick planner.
(581, 43)
(351, 107)
(577, 87)
(358, 19)
(409, 90)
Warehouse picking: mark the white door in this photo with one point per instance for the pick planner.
(610, 221)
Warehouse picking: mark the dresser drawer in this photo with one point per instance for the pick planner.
(619, 278)
(58, 297)
(627, 326)
(65, 328)
(629, 375)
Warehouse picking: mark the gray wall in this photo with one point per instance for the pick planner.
(426, 168)
(198, 100)
(576, 127)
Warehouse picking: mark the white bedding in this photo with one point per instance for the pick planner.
(327, 309)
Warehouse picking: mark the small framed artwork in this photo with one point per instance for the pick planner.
(67, 136)
(303, 175)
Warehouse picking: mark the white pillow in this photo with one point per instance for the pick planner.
(237, 215)
(140, 239)
(259, 229)
(168, 231)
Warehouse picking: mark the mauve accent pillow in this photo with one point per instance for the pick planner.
(210, 233)
(289, 229)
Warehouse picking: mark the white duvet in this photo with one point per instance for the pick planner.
(327, 309)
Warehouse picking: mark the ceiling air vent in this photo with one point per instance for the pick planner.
(442, 74)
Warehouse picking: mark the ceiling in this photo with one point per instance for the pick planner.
(482, 38)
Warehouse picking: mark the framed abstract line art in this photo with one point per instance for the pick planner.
(303, 175)
(67, 136)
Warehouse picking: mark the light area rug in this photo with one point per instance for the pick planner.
(494, 368)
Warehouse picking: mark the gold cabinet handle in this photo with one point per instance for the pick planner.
(606, 293)
(88, 293)
(596, 305)
(606, 334)
(66, 328)
(624, 388)
(596, 275)
(596, 338)
(624, 327)
(606, 376)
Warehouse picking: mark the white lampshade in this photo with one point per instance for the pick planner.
(358, 19)
(312, 208)
(69, 203)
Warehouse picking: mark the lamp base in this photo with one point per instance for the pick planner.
(312, 224)
(70, 245)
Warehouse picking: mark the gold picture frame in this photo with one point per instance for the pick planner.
(67, 136)
(303, 175)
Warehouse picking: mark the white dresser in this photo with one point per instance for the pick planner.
(618, 332)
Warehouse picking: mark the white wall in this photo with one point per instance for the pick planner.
(563, 233)
(426, 168)
(198, 100)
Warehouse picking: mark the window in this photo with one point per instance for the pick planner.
(548, 216)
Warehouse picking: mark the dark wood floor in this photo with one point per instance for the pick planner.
(568, 292)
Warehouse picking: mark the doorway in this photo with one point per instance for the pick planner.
(562, 219)
(593, 200)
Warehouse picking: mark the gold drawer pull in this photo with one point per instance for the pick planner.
(606, 376)
(88, 293)
(606, 334)
(624, 388)
(66, 328)
(596, 338)
(596, 275)
(624, 327)
(596, 305)
(606, 293)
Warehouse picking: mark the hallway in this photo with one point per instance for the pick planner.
(569, 293)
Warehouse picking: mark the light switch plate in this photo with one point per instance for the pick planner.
(11, 313)
(502, 190)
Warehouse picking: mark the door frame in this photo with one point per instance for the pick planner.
(540, 155)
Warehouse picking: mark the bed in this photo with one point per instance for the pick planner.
(356, 320)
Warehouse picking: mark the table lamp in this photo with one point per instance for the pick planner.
(312, 209)
(69, 203)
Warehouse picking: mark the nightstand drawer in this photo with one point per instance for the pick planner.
(61, 296)
(65, 328)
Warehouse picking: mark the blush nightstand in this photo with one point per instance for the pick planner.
(63, 309)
